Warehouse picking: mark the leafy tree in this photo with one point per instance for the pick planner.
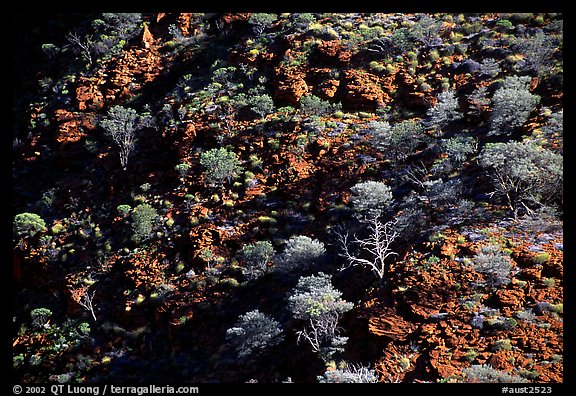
(317, 303)
(121, 126)
(40, 317)
(220, 165)
(260, 21)
(143, 218)
(253, 332)
(261, 104)
(512, 105)
(301, 252)
(523, 172)
(371, 198)
(256, 256)
(28, 224)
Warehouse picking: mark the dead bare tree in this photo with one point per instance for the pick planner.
(85, 45)
(375, 247)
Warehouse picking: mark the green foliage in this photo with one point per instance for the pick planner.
(395, 142)
(220, 165)
(254, 332)
(501, 345)
(40, 317)
(260, 21)
(494, 265)
(512, 105)
(371, 198)
(524, 172)
(121, 125)
(143, 218)
(300, 252)
(445, 111)
(261, 104)
(26, 225)
(255, 257)
(124, 209)
(313, 105)
(349, 373)
(485, 373)
(317, 303)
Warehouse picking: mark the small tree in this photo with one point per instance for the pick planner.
(260, 21)
(143, 218)
(375, 248)
(316, 302)
(220, 165)
(255, 257)
(253, 332)
(121, 126)
(371, 198)
(512, 105)
(28, 224)
(301, 252)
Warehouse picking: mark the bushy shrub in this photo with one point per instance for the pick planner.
(143, 218)
(458, 148)
(445, 111)
(489, 67)
(538, 51)
(484, 373)
(317, 303)
(255, 257)
(261, 104)
(313, 105)
(512, 105)
(524, 172)
(349, 374)
(260, 21)
(253, 332)
(398, 141)
(371, 198)
(220, 165)
(494, 265)
(28, 224)
(300, 252)
(40, 317)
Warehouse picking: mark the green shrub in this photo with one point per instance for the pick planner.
(349, 373)
(485, 373)
(220, 165)
(254, 332)
(315, 302)
(371, 198)
(512, 105)
(300, 252)
(494, 265)
(27, 225)
(523, 172)
(143, 218)
(255, 257)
